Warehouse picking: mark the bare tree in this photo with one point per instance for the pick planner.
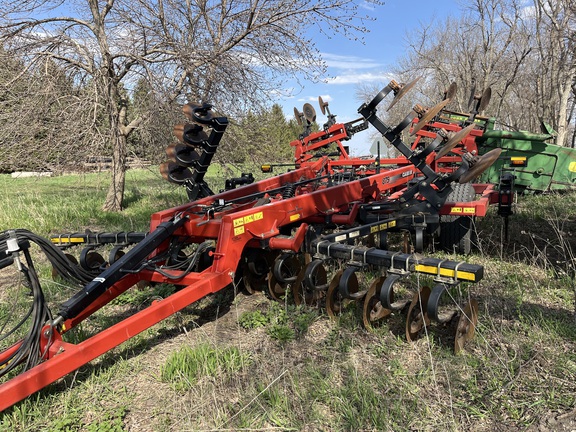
(555, 25)
(232, 51)
(45, 120)
(486, 46)
(523, 50)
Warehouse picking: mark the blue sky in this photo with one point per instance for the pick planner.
(350, 62)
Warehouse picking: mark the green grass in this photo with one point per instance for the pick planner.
(186, 366)
(72, 203)
(256, 364)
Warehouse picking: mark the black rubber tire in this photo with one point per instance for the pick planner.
(456, 231)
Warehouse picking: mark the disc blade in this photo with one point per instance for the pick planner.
(182, 154)
(452, 142)
(471, 99)
(171, 152)
(485, 99)
(417, 318)
(178, 132)
(430, 114)
(190, 134)
(466, 325)
(174, 173)
(482, 164)
(451, 92)
(381, 95)
(402, 92)
(298, 116)
(322, 104)
(309, 112)
(188, 109)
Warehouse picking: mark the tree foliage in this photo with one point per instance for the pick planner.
(260, 137)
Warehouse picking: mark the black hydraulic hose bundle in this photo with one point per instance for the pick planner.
(28, 351)
(63, 266)
(14, 242)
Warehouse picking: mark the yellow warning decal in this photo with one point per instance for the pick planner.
(294, 217)
(67, 240)
(469, 210)
(445, 272)
(383, 226)
(456, 210)
(572, 167)
(248, 219)
(239, 230)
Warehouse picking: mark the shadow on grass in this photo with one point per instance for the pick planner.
(217, 305)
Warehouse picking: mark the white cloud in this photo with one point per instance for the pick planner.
(349, 62)
(325, 98)
(357, 78)
(367, 5)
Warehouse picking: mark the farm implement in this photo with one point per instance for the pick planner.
(308, 233)
(535, 164)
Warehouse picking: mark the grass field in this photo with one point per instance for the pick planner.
(239, 362)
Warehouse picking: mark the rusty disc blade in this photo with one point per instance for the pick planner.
(298, 116)
(334, 300)
(309, 112)
(276, 290)
(451, 92)
(454, 140)
(164, 168)
(485, 99)
(190, 134)
(402, 92)
(71, 258)
(254, 283)
(178, 132)
(171, 152)
(302, 294)
(298, 289)
(183, 154)
(188, 109)
(417, 317)
(472, 97)
(466, 325)
(430, 114)
(381, 95)
(482, 164)
(174, 173)
(373, 313)
(322, 104)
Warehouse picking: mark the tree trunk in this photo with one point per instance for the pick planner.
(563, 119)
(115, 196)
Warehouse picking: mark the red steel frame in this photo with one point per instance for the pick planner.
(63, 358)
